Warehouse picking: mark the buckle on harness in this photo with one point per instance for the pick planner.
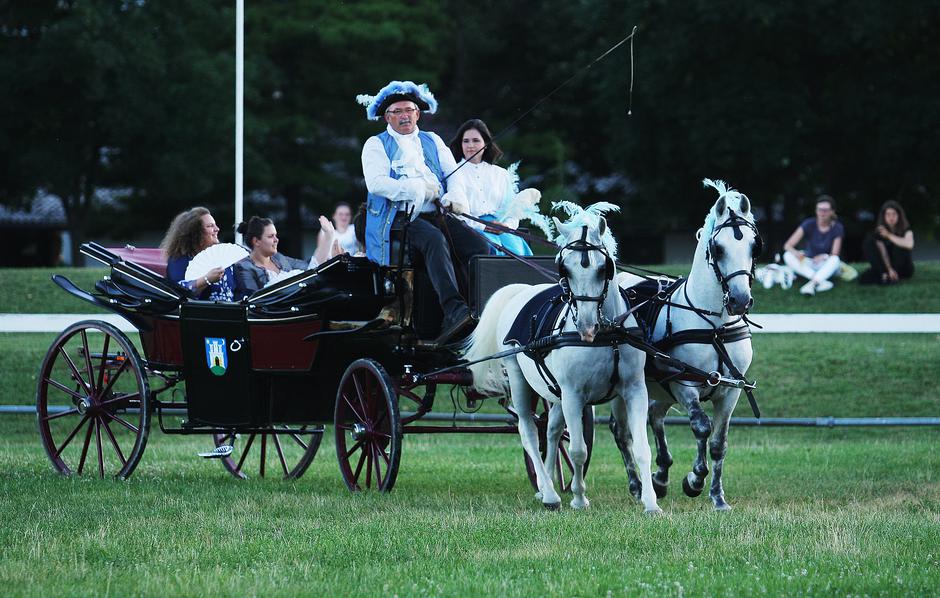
(715, 378)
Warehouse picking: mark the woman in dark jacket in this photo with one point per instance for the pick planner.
(264, 263)
(888, 249)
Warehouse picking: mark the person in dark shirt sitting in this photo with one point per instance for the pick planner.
(889, 248)
(191, 232)
(819, 259)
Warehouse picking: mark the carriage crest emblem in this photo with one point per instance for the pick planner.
(216, 355)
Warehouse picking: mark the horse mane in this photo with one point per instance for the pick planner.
(733, 199)
(590, 217)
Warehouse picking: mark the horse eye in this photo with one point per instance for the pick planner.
(755, 250)
(718, 251)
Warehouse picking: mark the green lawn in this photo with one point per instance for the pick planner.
(850, 512)
(31, 291)
(799, 375)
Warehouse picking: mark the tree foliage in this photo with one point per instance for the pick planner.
(784, 101)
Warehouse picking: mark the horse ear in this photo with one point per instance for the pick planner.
(745, 204)
(720, 207)
(602, 228)
(561, 227)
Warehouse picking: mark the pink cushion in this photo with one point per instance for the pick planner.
(148, 257)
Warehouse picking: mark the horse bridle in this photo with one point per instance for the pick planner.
(734, 221)
(583, 246)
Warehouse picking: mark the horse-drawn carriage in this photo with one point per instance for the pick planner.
(261, 376)
(264, 375)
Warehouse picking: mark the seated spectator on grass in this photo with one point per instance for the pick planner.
(818, 260)
(889, 248)
(189, 233)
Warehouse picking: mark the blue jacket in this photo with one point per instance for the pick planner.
(381, 212)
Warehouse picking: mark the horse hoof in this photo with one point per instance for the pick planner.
(580, 505)
(689, 489)
(552, 506)
(722, 507)
(538, 496)
(660, 489)
(654, 512)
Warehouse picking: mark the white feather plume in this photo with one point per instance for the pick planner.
(590, 217)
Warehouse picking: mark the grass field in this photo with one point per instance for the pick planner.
(851, 512)
(817, 512)
(31, 291)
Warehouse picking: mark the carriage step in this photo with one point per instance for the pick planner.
(220, 452)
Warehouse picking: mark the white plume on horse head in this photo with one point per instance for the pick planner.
(728, 198)
(591, 217)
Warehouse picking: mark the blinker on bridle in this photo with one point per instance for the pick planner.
(583, 246)
(735, 222)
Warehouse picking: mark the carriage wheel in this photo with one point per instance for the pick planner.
(367, 427)
(564, 466)
(93, 401)
(288, 453)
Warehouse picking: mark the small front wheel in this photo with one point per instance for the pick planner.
(287, 449)
(367, 427)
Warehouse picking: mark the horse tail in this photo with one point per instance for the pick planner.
(488, 375)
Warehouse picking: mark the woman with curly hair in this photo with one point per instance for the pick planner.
(189, 233)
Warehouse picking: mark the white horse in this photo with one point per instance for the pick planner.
(715, 297)
(584, 374)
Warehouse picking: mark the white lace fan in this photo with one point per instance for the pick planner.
(220, 255)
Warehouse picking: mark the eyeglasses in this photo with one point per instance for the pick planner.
(400, 111)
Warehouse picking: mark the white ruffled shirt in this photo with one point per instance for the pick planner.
(407, 190)
(488, 189)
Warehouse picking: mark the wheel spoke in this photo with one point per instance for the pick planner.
(98, 443)
(71, 364)
(60, 414)
(385, 458)
(353, 409)
(264, 446)
(121, 399)
(130, 427)
(298, 440)
(280, 453)
(114, 442)
(380, 419)
(114, 378)
(70, 436)
(354, 448)
(104, 359)
(245, 452)
(359, 395)
(378, 471)
(369, 458)
(362, 457)
(81, 462)
(64, 388)
(88, 369)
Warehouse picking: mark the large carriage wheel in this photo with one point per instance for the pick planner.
(564, 466)
(290, 453)
(93, 401)
(368, 427)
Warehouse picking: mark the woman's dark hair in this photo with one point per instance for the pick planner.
(902, 226)
(343, 204)
(359, 222)
(184, 237)
(253, 229)
(491, 154)
(832, 204)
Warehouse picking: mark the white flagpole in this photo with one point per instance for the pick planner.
(239, 111)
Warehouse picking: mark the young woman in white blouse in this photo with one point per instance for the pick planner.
(492, 192)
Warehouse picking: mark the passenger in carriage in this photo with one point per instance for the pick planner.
(264, 265)
(819, 259)
(191, 232)
(492, 191)
(405, 172)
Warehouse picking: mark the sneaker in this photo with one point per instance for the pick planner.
(824, 285)
(808, 289)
